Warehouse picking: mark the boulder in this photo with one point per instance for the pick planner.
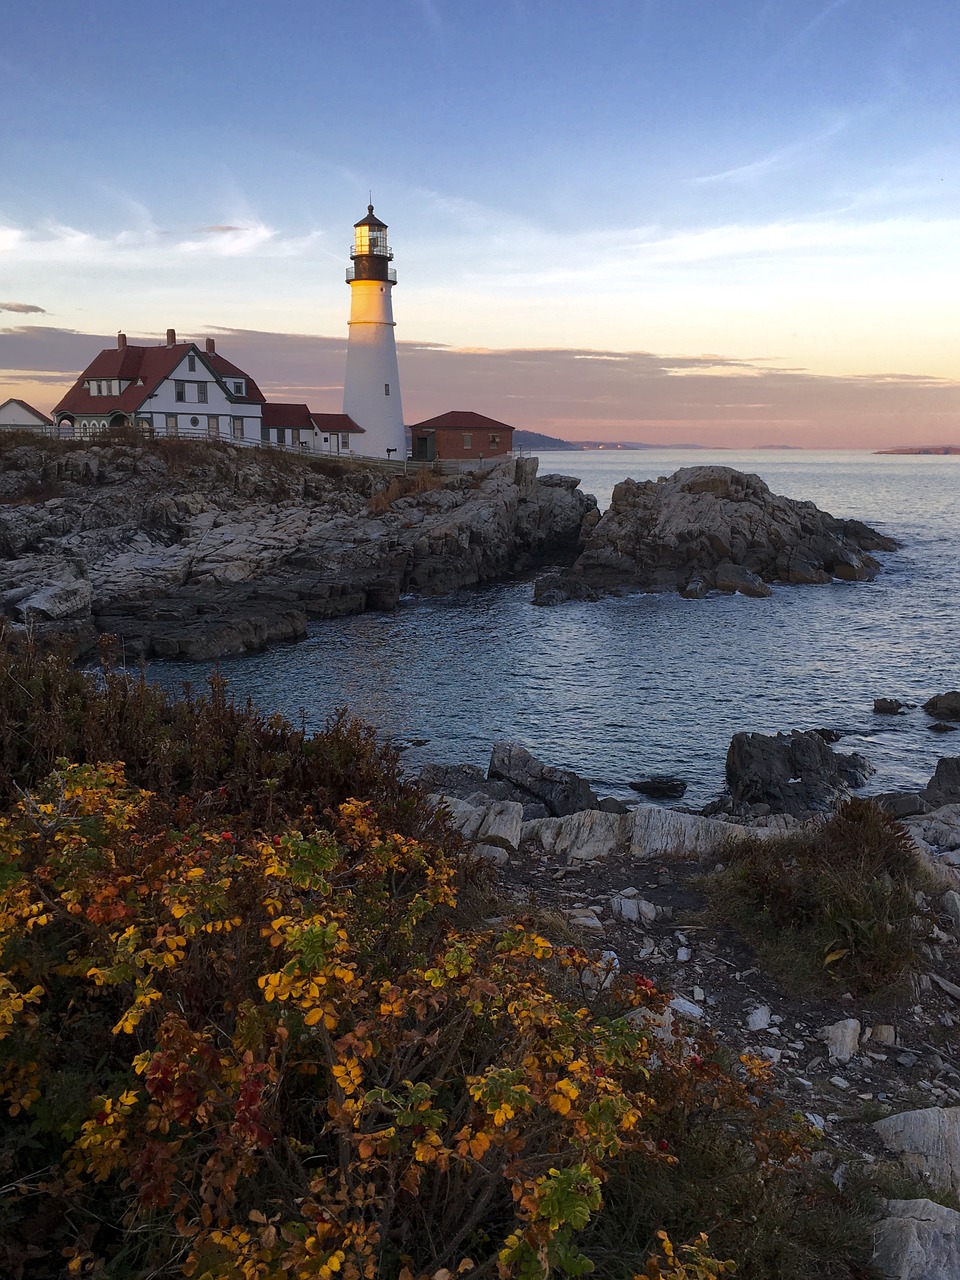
(713, 529)
(560, 790)
(927, 1142)
(917, 1240)
(944, 706)
(944, 787)
(660, 786)
(887, 706)
(842, 1038)
(643, 834)
(795, 773)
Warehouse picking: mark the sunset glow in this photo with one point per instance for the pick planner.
(774, 184)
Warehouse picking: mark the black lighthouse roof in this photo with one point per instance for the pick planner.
(371, 220)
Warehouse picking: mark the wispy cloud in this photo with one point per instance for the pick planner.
(778, 160)
(148, 247)
(23, 308)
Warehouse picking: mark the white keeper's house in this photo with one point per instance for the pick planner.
(17, 415)
(179, 389)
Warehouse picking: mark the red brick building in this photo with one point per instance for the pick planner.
(460, 434)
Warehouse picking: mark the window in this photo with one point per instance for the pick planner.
(99, 390)
(494, 439)
(238, 388)
(344, 441)
(201, 393)
(264, 434)
(192, 363)
(467, 440)
(236, 428)
(180, 391)
(386, 388)
(194, 421)
(281, 436)
(171, 424)
(213, 424)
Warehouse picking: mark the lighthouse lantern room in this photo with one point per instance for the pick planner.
(371, 385)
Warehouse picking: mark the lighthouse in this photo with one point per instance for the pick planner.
(371, 385)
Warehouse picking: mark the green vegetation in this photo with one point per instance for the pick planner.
(253, 1026)
(835, 906)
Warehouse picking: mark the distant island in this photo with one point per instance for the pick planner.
(926, 448)
(536, 440)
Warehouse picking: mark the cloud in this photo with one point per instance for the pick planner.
(577, 394)
(23, 308)
(146, 247)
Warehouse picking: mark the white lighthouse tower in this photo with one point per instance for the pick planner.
(371, 385)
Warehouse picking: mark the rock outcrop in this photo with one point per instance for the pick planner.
(713, 529)
(918, 1240)
(794, 773)
(197, 551)
(944, 706)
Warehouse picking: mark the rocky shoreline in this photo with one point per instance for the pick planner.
(708, 529)
(877, 1079)
(194, 552)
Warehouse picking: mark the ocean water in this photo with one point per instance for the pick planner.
(643, 684)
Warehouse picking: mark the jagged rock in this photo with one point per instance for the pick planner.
(560, 790)
(951, 907)
(231, 550)
(713, 529)
(945, 706)
(944, 787)
(927, 1141)
(460, 780)
(842, 1038)
(795, 773)
(940, 726)
(918, 1240)
(501, 825)
(902, 804)
(887, 706)
(660, 786)
(644, 833)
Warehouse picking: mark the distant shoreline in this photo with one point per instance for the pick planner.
(943, 449)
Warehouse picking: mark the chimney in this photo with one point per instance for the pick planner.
(211, 347)
(171, 337)
(121, 342)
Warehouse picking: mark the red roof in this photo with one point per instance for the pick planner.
(463, 420)
(149, 365)
(334, 422)
(299, 416)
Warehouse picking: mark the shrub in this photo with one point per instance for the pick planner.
(836, 904)
(282, 1055)
(205, 745)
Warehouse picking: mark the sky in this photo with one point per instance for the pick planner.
(671, 221)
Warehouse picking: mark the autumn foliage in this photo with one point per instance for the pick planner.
(286, 1042)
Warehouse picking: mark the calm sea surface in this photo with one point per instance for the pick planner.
(648, 684)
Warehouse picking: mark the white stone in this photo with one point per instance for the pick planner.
(625, 909)
(884, 1033)
(918, 1240)
(759, 1018)
(842, 1038)
(687, 1008)
(501, 825)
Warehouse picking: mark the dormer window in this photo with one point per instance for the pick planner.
(238, 388)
